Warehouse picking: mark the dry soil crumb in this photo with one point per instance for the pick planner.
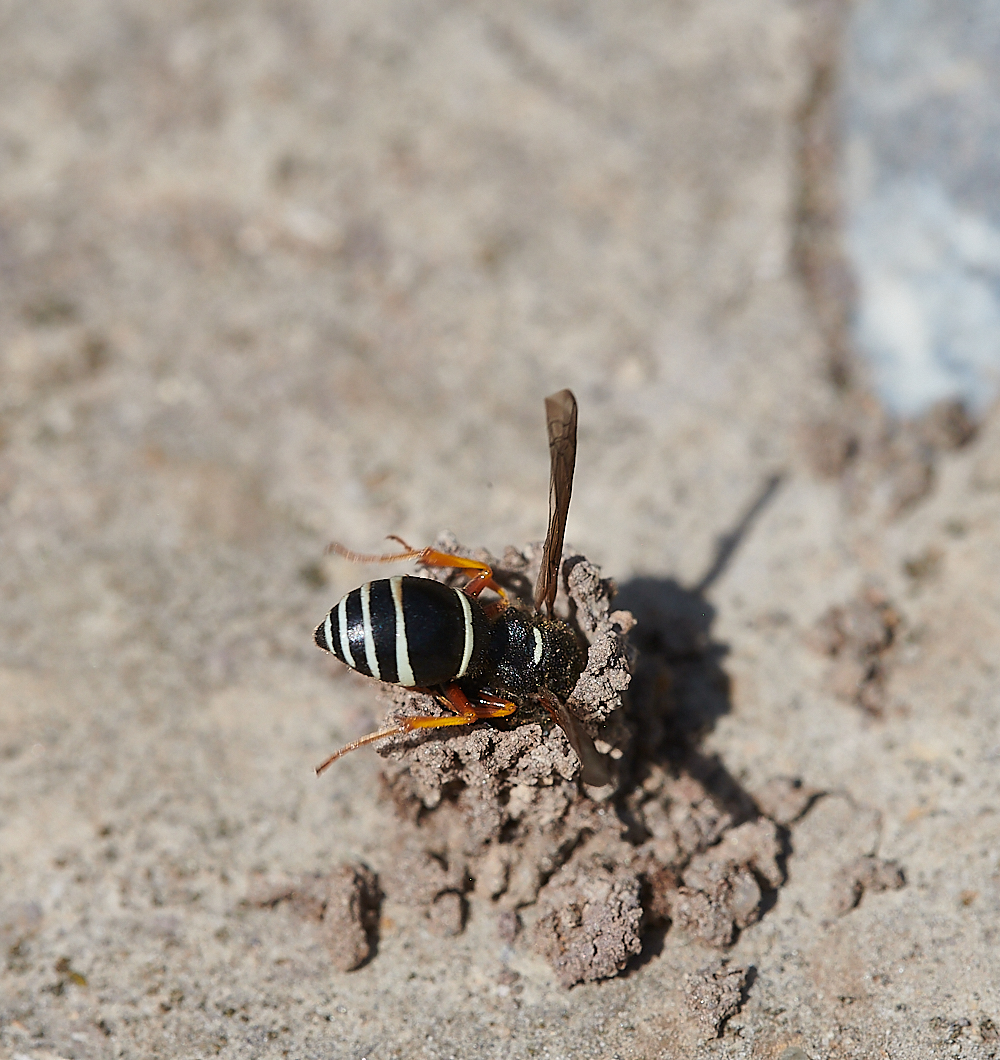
(721, 892)
(18, 922)
(829, 445)
(785, 799)
(679, 814)
(866, 873)
(432, 882)
(859, 636)
(590, 921)
(882, 459)
(508, 925)
(344, 904)
(422, 876)
(714, 994)
(447, 914)
(988, 1030)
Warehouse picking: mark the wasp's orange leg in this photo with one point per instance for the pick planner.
(365, 557)
(484, 580)
(395, 730)
(466, 713)
(491, 706)
(429, 557)
(487, 706)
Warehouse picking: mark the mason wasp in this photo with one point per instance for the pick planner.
(481, 660)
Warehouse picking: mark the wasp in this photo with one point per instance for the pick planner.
(480, 660)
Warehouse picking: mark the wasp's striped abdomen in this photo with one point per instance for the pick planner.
(408, 631)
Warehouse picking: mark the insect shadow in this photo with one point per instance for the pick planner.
(679, 690)
(679, 687)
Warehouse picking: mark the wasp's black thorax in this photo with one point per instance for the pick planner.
(527, 653)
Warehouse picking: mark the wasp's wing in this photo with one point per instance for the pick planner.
(593, 765)
(560, 412)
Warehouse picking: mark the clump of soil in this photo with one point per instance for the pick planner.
(590, 922)
(786, 799)
(866, 873)
(858, 637)
(721, 888)
(881, 460)
(342, 906)
(714, 994)
(498, 813)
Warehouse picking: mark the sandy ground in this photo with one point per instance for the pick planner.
(276, 273)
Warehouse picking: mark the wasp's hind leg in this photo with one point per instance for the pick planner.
(466, 712)
(430, 557)
(483, 579)
(486, 706)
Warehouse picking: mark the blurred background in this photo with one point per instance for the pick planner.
(920, 107)
(285, 271)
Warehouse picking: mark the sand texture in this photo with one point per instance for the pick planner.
(276, 274)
